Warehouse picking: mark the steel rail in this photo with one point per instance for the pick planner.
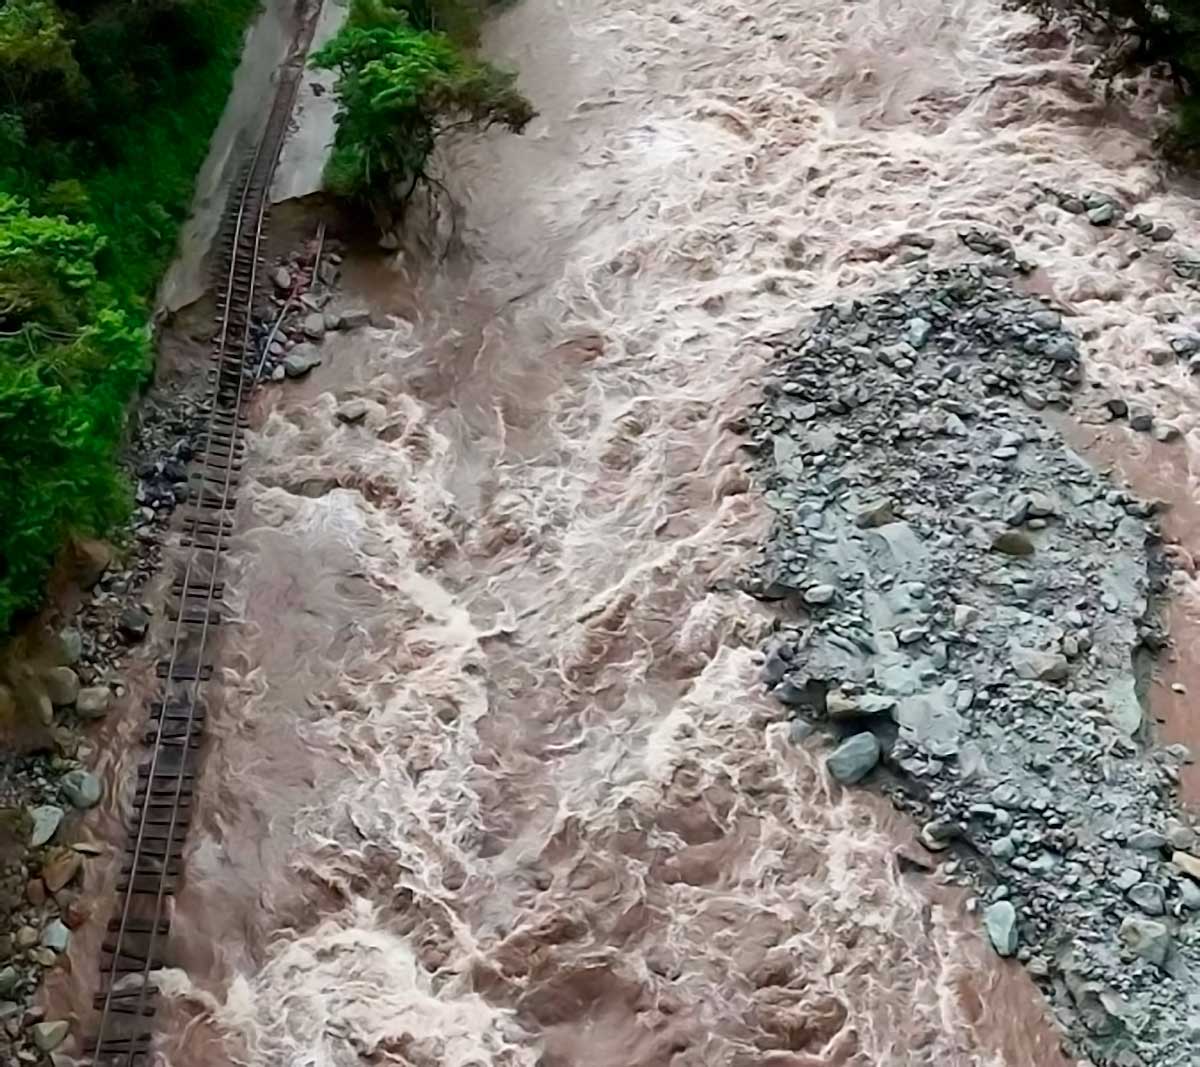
(218, 466)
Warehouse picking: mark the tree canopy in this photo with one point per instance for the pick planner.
(402, 84)
(106, 108)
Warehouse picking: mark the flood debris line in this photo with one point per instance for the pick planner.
(966, 614)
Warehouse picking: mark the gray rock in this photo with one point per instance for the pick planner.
(93, 702)
(62, 686)
(1147, 938)
(854, 758)
(1180, 837)
(1102, 215)
(46, 820)
(1189, 894)
(1149, 897)
(56, 936)
(1042, 505)
(799, 730)
(791, 694)
(1018, 511)
(351, 412)
(282, 278)
(300, 360)
(49, 1035)
(1046, 320)
(872, 514)
(70, 644)
(1012, 543)
(314, 325)
(1127, 878)
(1147, 841)
(354, 319)
(1000, 921)
(81, 788)
(1034, 665)
(938, 834)
(917, 332)
(839, 705)
(1062, 350)
(134, 624)
(929, 719)
(1004, 848)
(819, 594)
(1140, 419)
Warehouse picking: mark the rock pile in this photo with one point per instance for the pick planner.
(303, 303)
(964, 598)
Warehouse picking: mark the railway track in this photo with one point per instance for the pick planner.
(136, 944)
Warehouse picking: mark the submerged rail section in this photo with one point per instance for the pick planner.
(136, 943)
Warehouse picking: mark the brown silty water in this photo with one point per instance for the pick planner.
(491, 780)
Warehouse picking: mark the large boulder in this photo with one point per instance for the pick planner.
(48, 1036)
(314, 325)
(854, 758)
(1000, 921)
(46, 820)
(81, 788)
(1147, 938)
(62, 686)
(89, 559)
(300, 360)
(93, 702)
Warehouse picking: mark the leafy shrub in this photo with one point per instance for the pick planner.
(401, 87)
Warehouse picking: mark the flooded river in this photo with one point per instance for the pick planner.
(492, 781)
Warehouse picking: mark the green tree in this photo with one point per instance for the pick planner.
(400, 90)
(47, 267)
(106, 108)
(36, 57)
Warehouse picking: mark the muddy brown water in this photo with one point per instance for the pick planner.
(490, 779)
(1160, 472)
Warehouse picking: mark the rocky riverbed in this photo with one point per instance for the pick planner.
(967, 620)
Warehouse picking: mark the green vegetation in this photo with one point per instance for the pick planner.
(1148, 33)
(406, 78)
(106, 109)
